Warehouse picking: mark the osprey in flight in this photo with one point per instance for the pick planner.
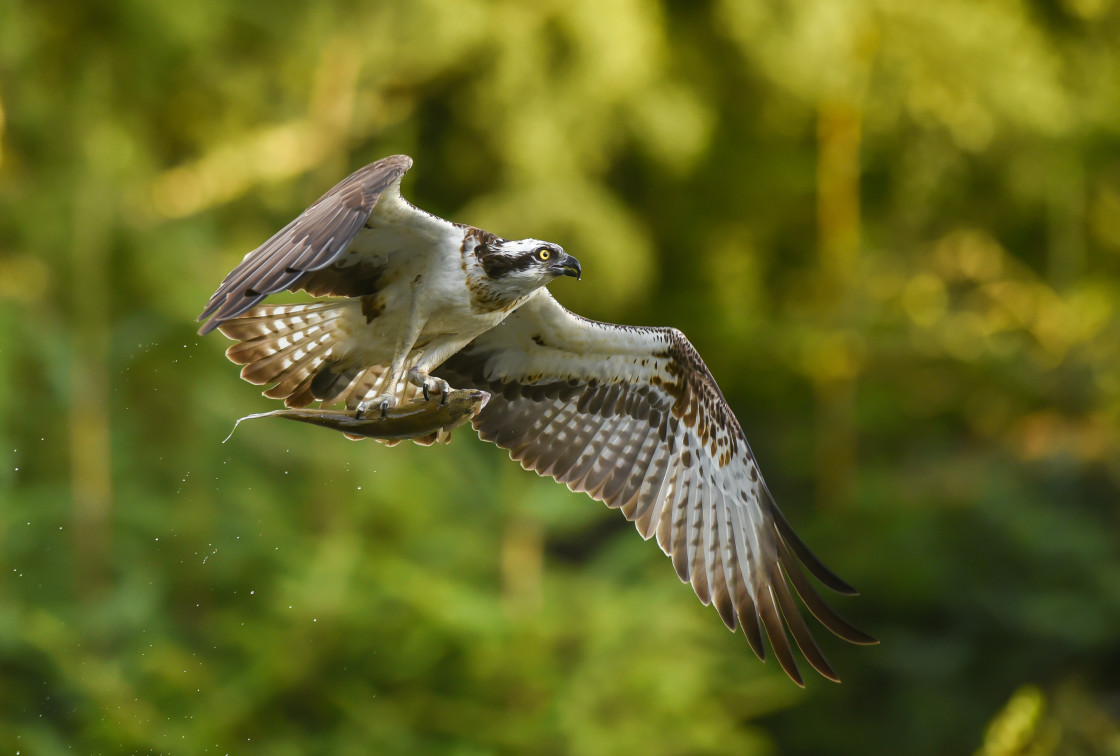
(629, 415)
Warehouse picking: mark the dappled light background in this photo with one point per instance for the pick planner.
(891, 228)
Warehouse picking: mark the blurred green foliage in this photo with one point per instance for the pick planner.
(891, 228)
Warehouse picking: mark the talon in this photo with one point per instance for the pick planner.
(382, 402)
(424, 389)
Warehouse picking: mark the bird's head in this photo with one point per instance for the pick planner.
(525, 264)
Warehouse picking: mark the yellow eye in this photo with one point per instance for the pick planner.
(543, 254)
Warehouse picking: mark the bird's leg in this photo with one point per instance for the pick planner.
(438, 350)
(388, 397)
(406, 340)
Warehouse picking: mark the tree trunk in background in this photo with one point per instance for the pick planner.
(838, 224)
(90, 459)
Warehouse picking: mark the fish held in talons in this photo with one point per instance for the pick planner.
(408, 421)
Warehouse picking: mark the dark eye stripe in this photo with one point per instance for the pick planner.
(498, 265)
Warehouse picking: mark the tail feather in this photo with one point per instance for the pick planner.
(296, 348)
(267, 362)
(269, 320)
(331, 385)
(287, 345)
(373, 381)
(255, 350)
(304, 366)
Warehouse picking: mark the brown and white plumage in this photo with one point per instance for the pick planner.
(629, 415)
(632, 417)
(311, 252)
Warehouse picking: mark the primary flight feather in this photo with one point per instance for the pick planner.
(629, 415)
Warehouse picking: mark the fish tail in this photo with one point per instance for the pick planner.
(296, 347)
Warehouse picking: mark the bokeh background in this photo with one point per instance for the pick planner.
(892, 228)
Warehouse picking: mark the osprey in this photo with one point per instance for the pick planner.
(629, 415)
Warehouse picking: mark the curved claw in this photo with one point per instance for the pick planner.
(444, 389)
(385, 402)
(427, 384)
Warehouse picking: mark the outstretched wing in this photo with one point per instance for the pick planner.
(632, 417)
(341, 245)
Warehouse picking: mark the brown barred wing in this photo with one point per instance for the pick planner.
(633, 418)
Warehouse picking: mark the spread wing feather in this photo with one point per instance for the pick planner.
(632, 417)
(340, 245)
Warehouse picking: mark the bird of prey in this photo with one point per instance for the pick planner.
(629, 415)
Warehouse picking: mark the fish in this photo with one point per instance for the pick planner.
(423, 421)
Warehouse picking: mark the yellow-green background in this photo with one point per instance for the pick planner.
(892, 228)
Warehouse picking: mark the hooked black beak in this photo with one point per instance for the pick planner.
(568, 266)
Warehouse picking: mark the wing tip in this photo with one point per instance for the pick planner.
(862, 639)
(401, 158)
